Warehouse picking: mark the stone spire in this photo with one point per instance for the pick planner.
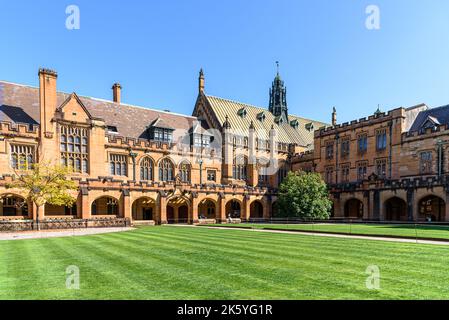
(278, 97)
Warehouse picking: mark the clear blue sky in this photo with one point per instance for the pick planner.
(155, 49)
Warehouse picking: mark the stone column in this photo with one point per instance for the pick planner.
(266, 209)
(411, 206)
(126, 205)
(446, 216)
(246, 210)
(163, 209)
(221, 214)
(194, 209)
(85, 204)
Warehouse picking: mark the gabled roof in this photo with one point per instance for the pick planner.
(20, 104)
(286, 133)
(74, 96)
(438, 116)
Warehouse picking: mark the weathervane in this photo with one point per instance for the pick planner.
(277, 65)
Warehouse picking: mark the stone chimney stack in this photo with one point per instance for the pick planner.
(117, 92)
(47, 101)
(201, 81)
(334, 117)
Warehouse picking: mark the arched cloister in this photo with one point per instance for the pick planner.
(105, 206)
(256, 210)
(354, 209)
(207, 209)
(395, 209)
(233, 209)
(144, 209)
(431, 208)
(13, 206)
(178, 210)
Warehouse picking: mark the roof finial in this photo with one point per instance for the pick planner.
(378, 112)
(277, 67)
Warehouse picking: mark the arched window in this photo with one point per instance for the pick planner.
(184, 171)
(239, 168)
(146, 169)
(166, 170)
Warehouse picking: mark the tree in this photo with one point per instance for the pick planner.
(304, 195)
(44, 184)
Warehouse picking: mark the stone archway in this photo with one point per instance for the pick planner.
(13, 206)
(396, 209)
(431, 208)
(256, 210)
(105, 206)
(354, 209)
(207, 209)
(234, 209)
(144, 209)
(178, 210)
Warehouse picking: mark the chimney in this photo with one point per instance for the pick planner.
(47, 101)
(334, 117)
(117, 92)
(201, 81)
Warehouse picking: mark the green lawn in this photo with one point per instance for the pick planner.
(396, 230)
(202, 263)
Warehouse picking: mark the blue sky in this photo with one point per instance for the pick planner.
(156, 48)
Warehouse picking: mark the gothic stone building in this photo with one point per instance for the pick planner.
(144, 165)
(390, 166)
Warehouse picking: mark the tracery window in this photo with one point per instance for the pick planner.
(22, 157)
(118, 164)
(166, 169)
(74, 148)
(146, 169)
(184, 171)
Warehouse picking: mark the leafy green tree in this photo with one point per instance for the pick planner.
(304, 195)
(44, 184)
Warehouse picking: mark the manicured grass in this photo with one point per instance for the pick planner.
(396, 230)
(203, 263)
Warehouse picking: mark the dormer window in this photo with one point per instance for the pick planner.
(112, 130)
(294, 124)
(160, 131)
(261, 116)
(430, 123)
(310, 127)
(161, 134)
(279, 120)
(242, 112)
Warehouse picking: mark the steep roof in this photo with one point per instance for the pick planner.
(240, 116)
(20, 104)
(438, 116)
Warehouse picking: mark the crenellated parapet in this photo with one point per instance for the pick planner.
(425, 133)
(10, 129)
(362, 122)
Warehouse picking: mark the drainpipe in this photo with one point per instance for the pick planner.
(133, 156)
(337, 138)
(440, 157)
(390, 152)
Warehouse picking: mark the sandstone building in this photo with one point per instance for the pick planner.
(390, 166)
(145, 165)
